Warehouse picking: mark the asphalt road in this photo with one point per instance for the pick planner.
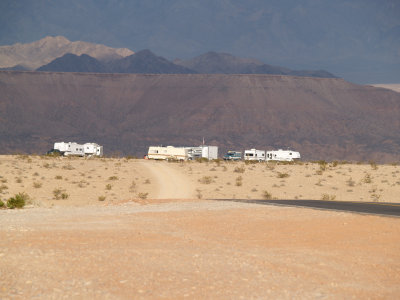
(376, 208)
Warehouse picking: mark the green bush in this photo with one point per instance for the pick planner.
(18, 201)
(2, 204)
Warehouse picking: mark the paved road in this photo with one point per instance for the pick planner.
(378, 208)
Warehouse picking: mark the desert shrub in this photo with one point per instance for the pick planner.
(249, 162)
(327, 197)
(206, 180)
(217, 161)
(113, 178)
(143, 195)
(335, 163)
(202, 159)
(198, 194)
(18, 201)
(282, 175)
(4, 180)
(35, 174)
(2, 205)
(374, 166)
(267, 195)
(101, 198)
(108, 187)
(3, 187)
(68, 167)
(82, 183)
(58, 177)
(37, 185)
(18, 180)
(132, 188)
(59, 193)
(239, 181)
(239, 169)
(350, 182)
(147, 181)
(367, 178)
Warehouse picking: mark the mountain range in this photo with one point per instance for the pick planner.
(358, 40)
(146, 62)
(94, 58)
(323, 118)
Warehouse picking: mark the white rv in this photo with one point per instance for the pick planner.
(93, 149)
(209, 152)
(169, 152)
(254, 154)
(283, 155)
(69, 148)
(73, 148)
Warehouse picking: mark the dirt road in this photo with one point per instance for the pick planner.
(171, 184)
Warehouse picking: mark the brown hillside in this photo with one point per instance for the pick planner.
(321, 118)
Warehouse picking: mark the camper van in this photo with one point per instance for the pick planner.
(169, 152)
(254, 154)
(233, 155)
(283, 155)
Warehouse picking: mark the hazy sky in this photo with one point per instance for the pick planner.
(358, 40)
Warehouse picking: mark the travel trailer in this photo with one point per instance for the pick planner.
(233, 155)
(72, 148)
(169, 152)
(254, 154)
(283, 155)
(93, 149)
(209, 152)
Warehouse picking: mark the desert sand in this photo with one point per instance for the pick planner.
(143, 229)
(394, 86)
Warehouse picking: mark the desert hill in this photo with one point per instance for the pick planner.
(323, 118)
(36, 54)
(225, 63)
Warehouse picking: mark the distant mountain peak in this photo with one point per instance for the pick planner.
(41, 52)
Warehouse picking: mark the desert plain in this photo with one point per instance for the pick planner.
(119, 228)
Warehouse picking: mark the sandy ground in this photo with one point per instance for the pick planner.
(132, 245)
(394, 86)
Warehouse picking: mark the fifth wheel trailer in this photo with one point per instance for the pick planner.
(283, 155)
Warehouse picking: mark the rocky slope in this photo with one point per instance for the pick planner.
(321, 118)
(34, 55)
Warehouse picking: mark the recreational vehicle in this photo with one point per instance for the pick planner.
(254, 154)
(233, 155)
(76, 149)
(209, 152)
(169, 152)
(93, 149)
(70, 148)
(283, 155)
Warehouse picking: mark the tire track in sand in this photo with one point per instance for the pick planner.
(171, 184)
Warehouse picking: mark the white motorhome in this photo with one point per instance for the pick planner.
(254, 154)
(283, 155)
(209, 152)
(93, 149)
(169, 152)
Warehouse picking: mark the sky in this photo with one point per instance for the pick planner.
(358, 40)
